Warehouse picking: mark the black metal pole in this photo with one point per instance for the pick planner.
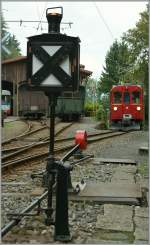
(61, 217)
(51, 161)
(52, 104)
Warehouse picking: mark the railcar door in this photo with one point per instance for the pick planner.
(126, 106)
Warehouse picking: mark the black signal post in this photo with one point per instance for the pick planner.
(53, 66)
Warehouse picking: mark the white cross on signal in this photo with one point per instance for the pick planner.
(3, 47)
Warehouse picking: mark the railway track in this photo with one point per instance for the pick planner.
(26, 212)
(35, 141)
(46, 141)
(29, 126)
(6, 162)
(32, 207)
(22, 155)
(33, 127)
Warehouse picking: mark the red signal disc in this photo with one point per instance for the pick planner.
(81, 139)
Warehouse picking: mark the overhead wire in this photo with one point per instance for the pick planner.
(102, 18)
(36, 21)
(42, 16)
(38, 12)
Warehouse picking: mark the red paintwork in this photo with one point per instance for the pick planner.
(123, 108)
(81, 139)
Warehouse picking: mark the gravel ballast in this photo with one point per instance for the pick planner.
(84, 216)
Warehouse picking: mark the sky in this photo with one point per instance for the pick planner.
(97, 24)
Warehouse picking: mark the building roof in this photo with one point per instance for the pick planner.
(86, 71)
(17, 59)
(24, 58)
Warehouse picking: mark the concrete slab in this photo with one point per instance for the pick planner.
(142, 212)
(124, 173)
(116, 217)
(111, 160)
(108, 208)
(120, 176)
(94, 241)
(144, 149)
(129, 169)
(141, 227)
(141, 242)
(117, 189)
(110, 237)
(144, 182)
(104, 200)
(141, 223)
(141, 234)
(147, 197)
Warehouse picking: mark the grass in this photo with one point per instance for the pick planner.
(143, 169)
(8, 125)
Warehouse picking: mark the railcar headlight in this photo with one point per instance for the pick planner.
(138, 108)
(115, 108)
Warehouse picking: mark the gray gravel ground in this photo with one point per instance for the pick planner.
(83, 215)
(13, 129)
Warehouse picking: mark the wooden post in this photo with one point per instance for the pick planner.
(17, 98)
(13, 97)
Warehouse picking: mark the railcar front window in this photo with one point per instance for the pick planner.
(136, 97)
(117, 97)
(126, 98)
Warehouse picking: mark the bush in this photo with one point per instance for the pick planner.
(102, 112)
(89, 109)
(99, 113)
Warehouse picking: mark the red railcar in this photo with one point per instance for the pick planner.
(126, 105)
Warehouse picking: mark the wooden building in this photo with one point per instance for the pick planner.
(14, 73)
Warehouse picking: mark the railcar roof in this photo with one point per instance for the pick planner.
(128, 86)
(6, 92)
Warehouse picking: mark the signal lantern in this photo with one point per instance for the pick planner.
(53, 58)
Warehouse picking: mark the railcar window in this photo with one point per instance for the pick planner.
(126, 97)
(3, 98)
(71, 94)
(6, 98)
(117, 97)
(136, 97)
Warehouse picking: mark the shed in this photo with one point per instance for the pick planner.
(14, 73)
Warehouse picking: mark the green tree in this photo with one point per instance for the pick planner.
(9, 42)
(91, 99)
(128, 60)
(117, 64)
(137, 41)
(91, 90)
(137, 38)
